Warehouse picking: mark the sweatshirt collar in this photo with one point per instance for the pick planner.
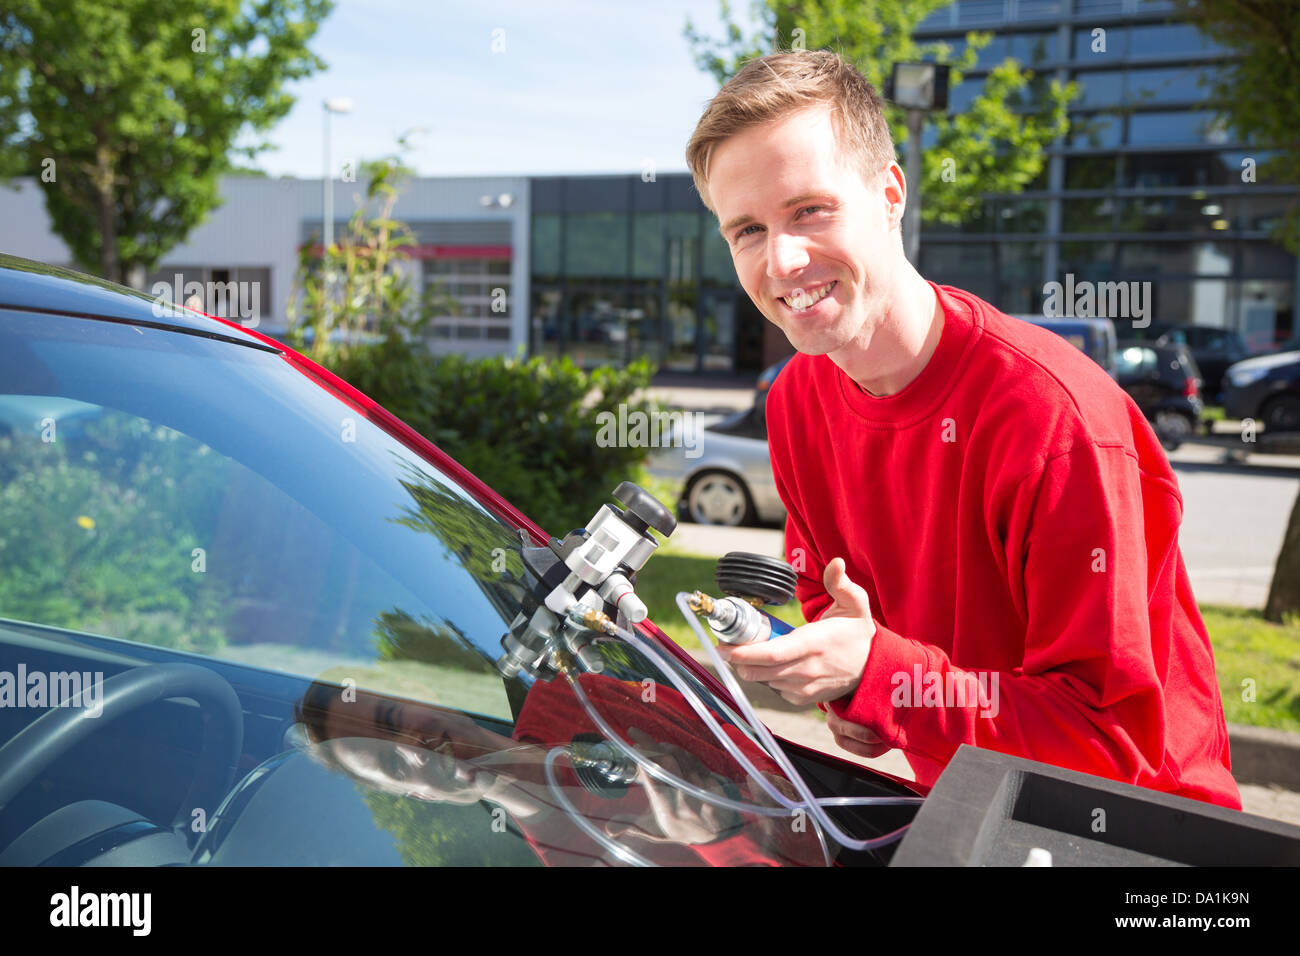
(962, 325)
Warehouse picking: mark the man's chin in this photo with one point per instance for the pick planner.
(810, 342)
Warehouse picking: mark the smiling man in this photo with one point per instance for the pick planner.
(984, 525)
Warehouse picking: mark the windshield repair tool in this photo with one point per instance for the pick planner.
(748, 580)
(583, 584)
(582, 587)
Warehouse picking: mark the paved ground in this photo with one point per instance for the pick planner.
(1233, 521)
(1234, 517)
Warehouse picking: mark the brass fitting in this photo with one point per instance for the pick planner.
(700, 603)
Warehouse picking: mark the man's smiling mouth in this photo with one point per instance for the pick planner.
(804, 299)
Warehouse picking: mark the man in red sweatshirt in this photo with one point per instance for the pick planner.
(984, 525)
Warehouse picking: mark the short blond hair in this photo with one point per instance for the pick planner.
(770, 87)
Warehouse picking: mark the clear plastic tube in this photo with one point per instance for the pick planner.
(810, 803)
(587, 827)
(702, 710)
(659, 773)
(777, 754)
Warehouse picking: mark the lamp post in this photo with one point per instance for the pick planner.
(918, 88)
(332, 105)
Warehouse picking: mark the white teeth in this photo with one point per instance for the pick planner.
(803, 300)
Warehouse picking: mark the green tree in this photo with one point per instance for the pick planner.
(127, 111)
(1257, 92)
(355, 290)
(996, 145)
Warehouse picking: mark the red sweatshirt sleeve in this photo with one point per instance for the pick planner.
(1089, 695)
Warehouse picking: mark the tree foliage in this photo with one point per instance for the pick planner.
(1258, 95)
(1257, 92)
(127, 112)
(354, 294)
(997, 145)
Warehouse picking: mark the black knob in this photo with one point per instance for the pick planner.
(758, 576)
(646, 508)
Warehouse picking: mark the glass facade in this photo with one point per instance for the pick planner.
(624, 268)
(478, 289)
(1147, 185)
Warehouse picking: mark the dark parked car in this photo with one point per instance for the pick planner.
(1165, 383)
(248, 617)
(1213, 348)
(1267, 389)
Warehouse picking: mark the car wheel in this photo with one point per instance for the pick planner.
(1173, 428)
(719, 497)
(1281, 413)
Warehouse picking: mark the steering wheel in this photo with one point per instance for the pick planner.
(54, 733)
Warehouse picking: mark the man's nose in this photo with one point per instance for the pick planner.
(785, 255)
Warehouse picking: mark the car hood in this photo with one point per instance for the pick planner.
(1265, 361)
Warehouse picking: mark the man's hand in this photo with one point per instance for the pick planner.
(855, 738)
(820, 661)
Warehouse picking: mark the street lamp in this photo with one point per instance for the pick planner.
(917, 88)
(332, 105)
(404, 140)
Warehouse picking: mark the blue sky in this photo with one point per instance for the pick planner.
(581, 86)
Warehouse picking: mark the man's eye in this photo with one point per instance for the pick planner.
(744, 232)
(811, 209)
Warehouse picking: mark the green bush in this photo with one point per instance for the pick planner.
(527, 428)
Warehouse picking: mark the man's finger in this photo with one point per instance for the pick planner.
(784, 650)
(847, 728)
(768, 675)
(847, 594)
(858, 748)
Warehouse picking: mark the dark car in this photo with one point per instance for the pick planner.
(1213, 348)
(1165, 383)
(1267, 389)
(248, 617)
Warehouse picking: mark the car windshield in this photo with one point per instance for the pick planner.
(168, 497)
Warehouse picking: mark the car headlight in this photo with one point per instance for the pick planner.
(1246, 376)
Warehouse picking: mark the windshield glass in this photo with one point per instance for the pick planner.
(168, 497)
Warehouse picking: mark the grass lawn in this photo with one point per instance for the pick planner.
(1255, 659)
(1252, 656)
(672, 570)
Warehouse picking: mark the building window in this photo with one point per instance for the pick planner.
(239, 293)
(1097, 131)
(479, 290)
(1149, 129)
(596, 245)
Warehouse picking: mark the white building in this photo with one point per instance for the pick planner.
(471, 236)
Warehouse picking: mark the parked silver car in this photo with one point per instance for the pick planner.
(725, 475)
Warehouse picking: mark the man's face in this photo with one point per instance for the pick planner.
(811, 240)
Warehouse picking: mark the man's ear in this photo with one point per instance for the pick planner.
(894, 189)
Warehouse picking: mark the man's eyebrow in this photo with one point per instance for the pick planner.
(742, 220)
